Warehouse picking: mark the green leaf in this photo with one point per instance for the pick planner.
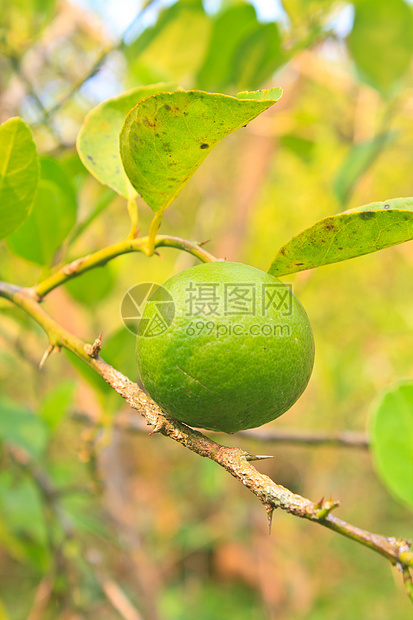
(98, 139)
(56, 403)
(19, 174)
(391, 433)
(358, 160)
(166, 137)
(92, 286)
(22, 428)
(258, 56)
(52, 217)
(174, 47)
(381, 42)
(347, 235)
(230, 28)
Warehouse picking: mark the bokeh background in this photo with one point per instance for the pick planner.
(111, 523)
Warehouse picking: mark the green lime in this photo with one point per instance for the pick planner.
(224, 346)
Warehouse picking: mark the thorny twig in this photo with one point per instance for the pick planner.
(234, 460)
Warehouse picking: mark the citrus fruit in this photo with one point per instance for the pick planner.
(225, 347)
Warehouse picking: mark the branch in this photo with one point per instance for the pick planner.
(128, 422)
(101, 257)
(235, 461)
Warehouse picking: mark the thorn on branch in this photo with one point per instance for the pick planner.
(270, 511)
(93, 349)
(258, 457)
(47, 353)
(322, 508)
(158, 427)
(201, 243)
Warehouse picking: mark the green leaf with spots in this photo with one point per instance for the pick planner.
(52, 217)
(347, 235)
(98, 139)
(381, 42)
(19, 174)
(166, 137)
(391, 435)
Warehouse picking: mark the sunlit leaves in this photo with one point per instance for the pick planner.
(391, 432)
(381, 42)
(98, 139)
(19, 174)
(166, 137)
(230, 28)
(51, 219)
(174, 47)
(347, 235)
(258, 56)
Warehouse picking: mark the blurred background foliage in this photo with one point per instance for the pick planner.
(97, 520)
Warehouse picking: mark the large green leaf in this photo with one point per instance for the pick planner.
(347, 235)
(166, 137)
(19, 174)
(174, 47)
(381, 42)
(22, 428)
(98, 139)
(358, 160)
(230, 28)
(52, 217)
(391, 433)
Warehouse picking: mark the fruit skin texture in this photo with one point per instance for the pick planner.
(207, 378)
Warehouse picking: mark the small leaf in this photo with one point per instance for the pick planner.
(56, 403)
(391, 432)
(381, 42)
(98, 139)
(19, 174)
(358, 160)
(22, 428)
(166, 137)
(347, 235)
(52, 217)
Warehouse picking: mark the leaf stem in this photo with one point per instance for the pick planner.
(133, 214)
(153, 231)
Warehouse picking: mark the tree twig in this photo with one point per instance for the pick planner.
(234, 460)
(101, 257)
(128, 422)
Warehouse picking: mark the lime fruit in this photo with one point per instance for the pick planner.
(225, 347)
